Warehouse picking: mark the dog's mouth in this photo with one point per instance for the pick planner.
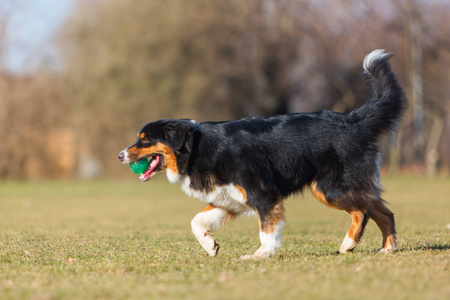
(156, 163)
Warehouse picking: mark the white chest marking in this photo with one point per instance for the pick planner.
(227, 196)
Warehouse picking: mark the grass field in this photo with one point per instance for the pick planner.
(127, 240)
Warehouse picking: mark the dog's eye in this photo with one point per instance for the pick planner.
(145, 141)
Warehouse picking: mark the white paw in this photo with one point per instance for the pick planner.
(246, 257)
(347, 245)
(254, 257)
(388, 250)
(261, 253)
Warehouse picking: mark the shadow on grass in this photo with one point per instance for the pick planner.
(360, 252)
(426, 247)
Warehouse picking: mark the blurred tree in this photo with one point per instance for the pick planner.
(127, 62)
(33, 119)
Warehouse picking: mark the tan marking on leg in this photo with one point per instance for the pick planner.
(356, 228)
(391, 245)
(208, 207)
(225, 219)
(269, 233)
(354, 234)
(384, 218)
(320, 195)
(273, 218)
(242, 191)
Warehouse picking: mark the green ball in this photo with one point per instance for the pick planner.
(139, 166)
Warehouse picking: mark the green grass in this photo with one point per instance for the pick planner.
(127, 240)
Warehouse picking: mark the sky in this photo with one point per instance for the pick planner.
(31, 27)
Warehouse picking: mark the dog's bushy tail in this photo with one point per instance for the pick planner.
(381, 114)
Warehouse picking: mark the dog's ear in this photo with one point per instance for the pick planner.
(179, 135)
(176, 137)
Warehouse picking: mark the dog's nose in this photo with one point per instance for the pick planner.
(121, 155)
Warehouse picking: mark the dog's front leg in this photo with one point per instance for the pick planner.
(210, 219)
(270, 225)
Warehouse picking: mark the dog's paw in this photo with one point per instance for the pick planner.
(257, 255)
(345, 251)
(388, 250)
(213, 252)
(248, 257)
(348, 245)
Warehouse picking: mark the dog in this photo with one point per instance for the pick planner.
(249, 166)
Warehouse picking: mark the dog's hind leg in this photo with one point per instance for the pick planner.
(271, 223)
(354, 234)
(210, 219)
(385, 221)
(359, 219)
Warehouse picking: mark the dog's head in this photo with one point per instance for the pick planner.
(166, 143)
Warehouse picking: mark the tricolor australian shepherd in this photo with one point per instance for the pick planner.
(250, 166)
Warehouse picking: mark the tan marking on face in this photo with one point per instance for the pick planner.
(273, 218)
(133, 152)
(142, 135)
(170, 160)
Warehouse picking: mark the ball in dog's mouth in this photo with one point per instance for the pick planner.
(140, 166)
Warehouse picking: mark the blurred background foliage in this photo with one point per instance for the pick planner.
(127, 62)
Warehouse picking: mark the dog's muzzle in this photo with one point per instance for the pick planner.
(122, 155)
